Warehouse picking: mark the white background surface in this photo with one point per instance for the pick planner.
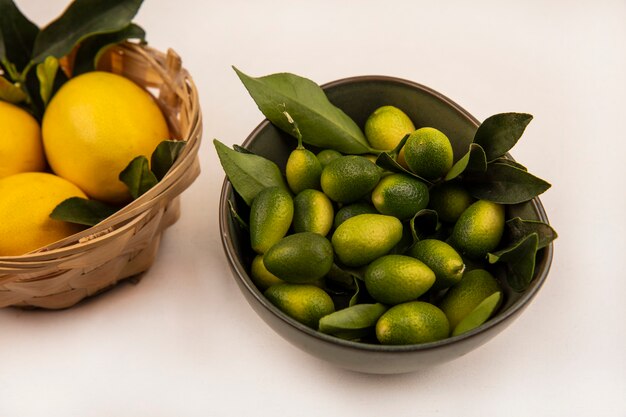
(185, 343)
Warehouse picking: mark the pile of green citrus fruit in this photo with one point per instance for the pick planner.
(379, 252)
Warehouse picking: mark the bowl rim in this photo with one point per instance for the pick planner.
(242, 275)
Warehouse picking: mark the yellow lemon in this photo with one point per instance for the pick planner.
(27, 201)
(94, 126)
(20, 141)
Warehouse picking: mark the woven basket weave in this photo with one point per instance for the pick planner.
(124, 244)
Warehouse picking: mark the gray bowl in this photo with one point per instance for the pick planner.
(358, 97)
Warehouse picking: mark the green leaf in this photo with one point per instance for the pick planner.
(473, 161)
(507, 161)
(138, 177)
(505, 184)
(396, 151)
(17, 36)
(500, 132)
(248, 173)
(233, 212)
(10, 92)
(389, 160)
(352, 322)
(82, 19)
(519, 228)
(241, 149)
(520, 261)
(479, 315)
(46, 73)
(386, 161)
(321, 123)
(342, 278)
(92, 48)
(525, 210)
(82, 211)
(424, 223)
(164, 156)
(355, 298)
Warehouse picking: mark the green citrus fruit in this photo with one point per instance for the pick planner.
(411, 323)
(400, 196)
(327, 155)
(303, 170)
(363, 238)
(395, 279)
(445, 262)
(304, 303)
(271, 214)
(352, 210)
(428, 153)
(449, 200)
(349, 178)
(313, 212)
(261, 276)
(386, 127)
(300, 258)
(464, 297)
(479, 229)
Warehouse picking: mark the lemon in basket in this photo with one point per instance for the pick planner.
(20, 141)
(94, 126)
(27, 201)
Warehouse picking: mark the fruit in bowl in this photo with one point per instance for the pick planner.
(403, 276)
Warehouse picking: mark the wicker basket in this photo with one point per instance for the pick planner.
(124, 244)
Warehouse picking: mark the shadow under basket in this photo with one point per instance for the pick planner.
(124, 244)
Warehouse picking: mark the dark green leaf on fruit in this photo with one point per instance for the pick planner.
(479, 315)
(473, 161)
(352, 322)
(92, 48)
(17, 36)
(505, 184)
(519, 259)
(500, 132)
(138, 177)
(423, 224)
(321, 123)
(82, 211)
(519, 228)
(82, 19)
(164, 156)
(248, 173)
